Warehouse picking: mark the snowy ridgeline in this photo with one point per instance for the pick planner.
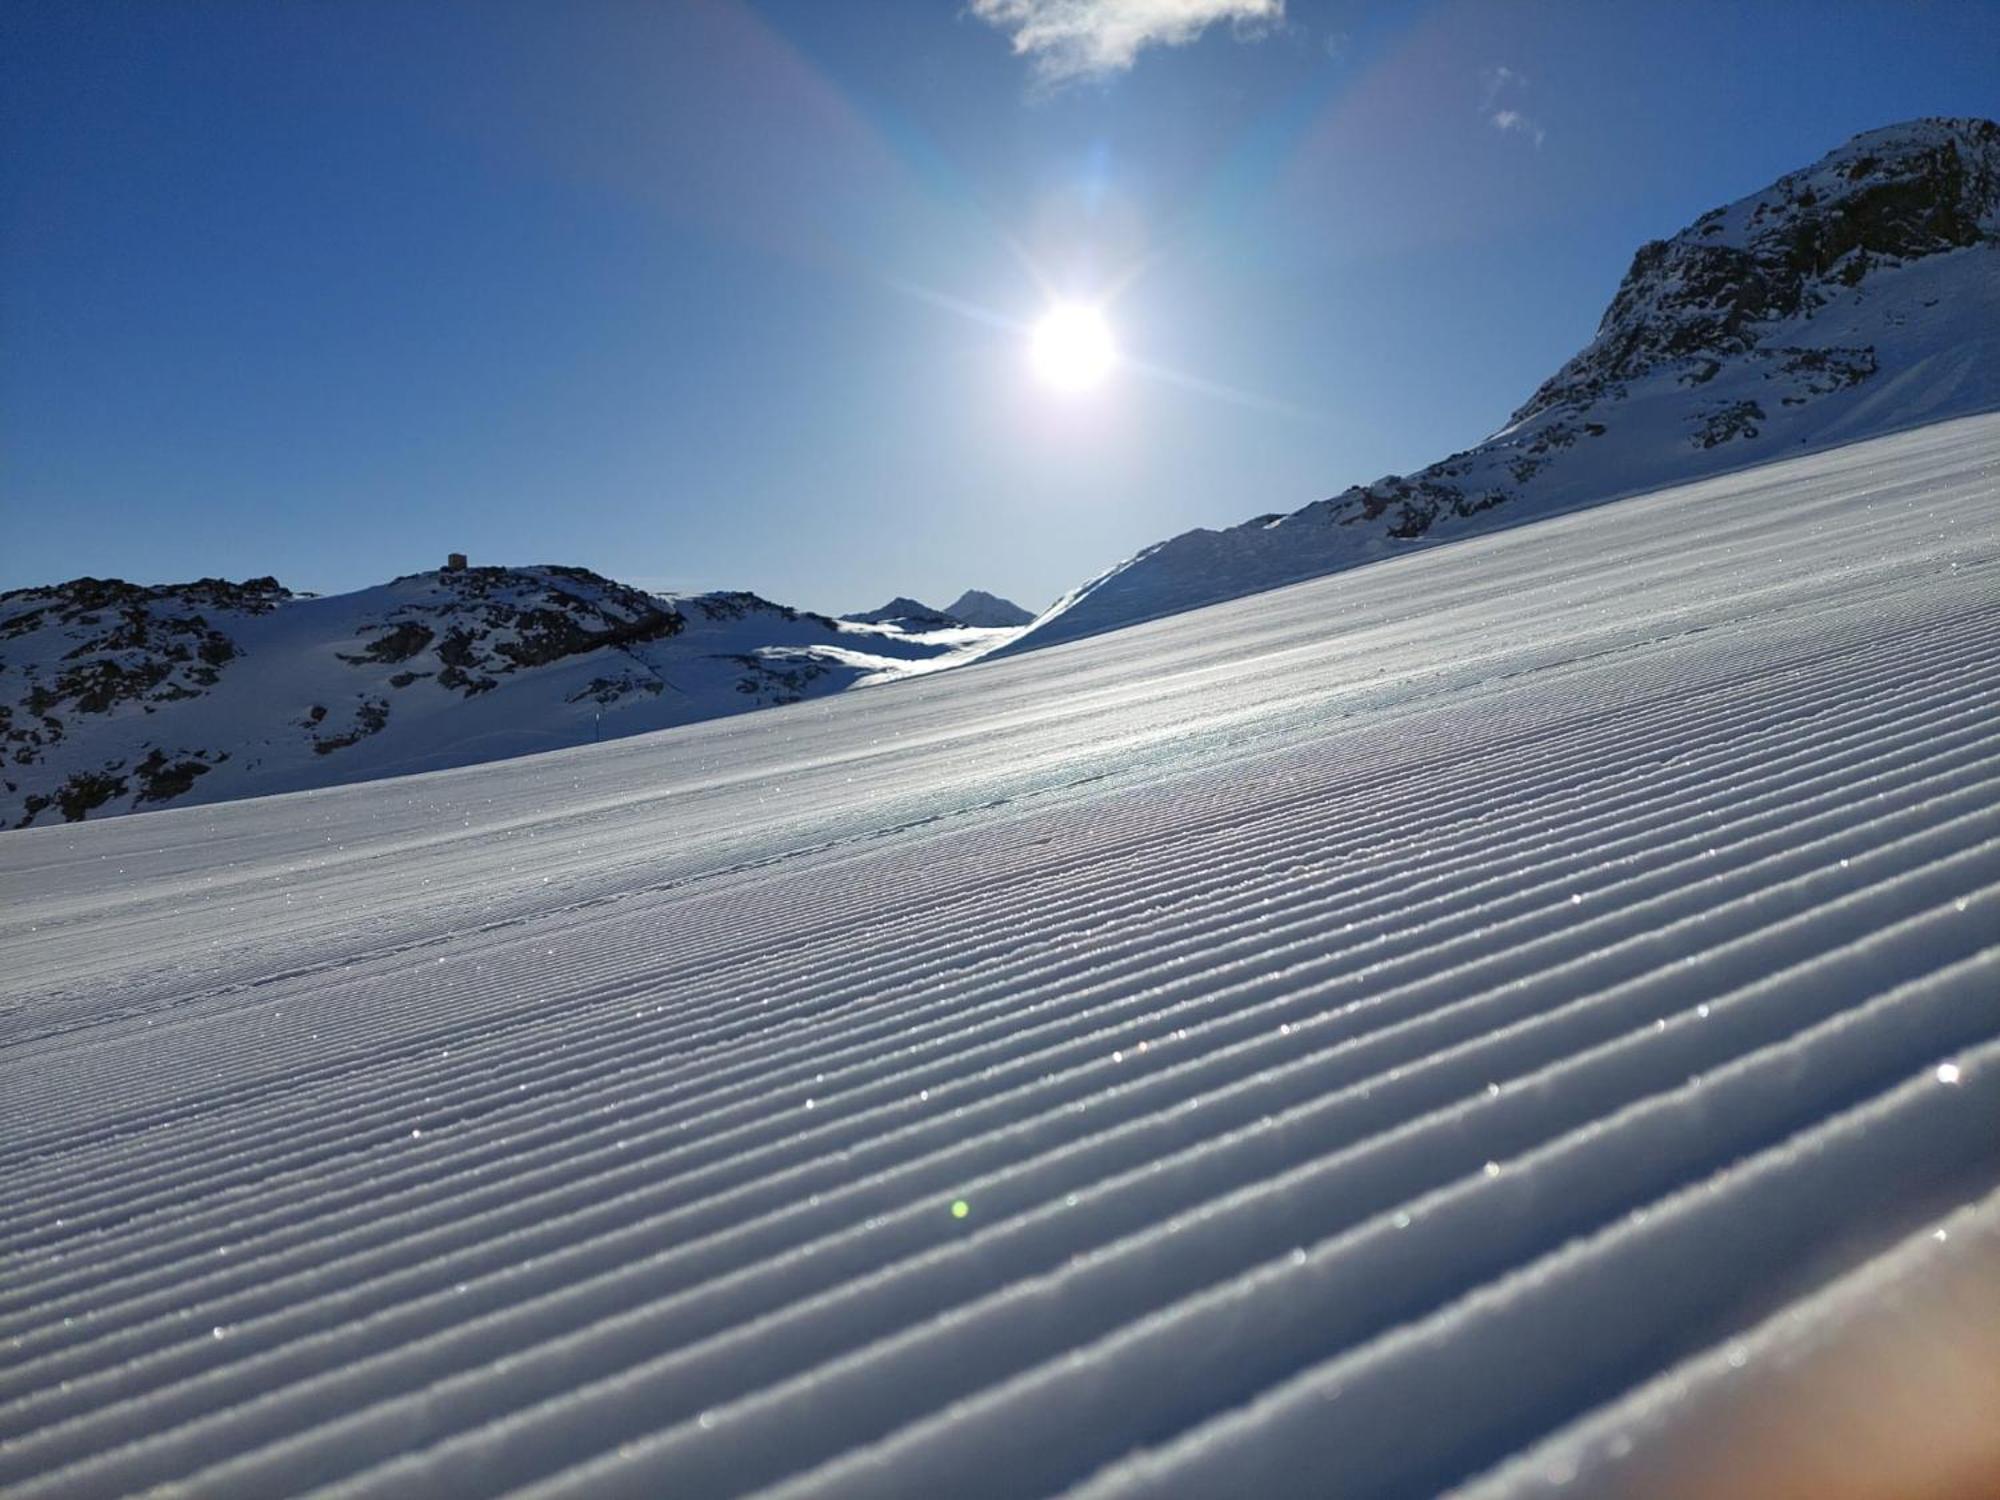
(120, 698)
(1520, 1014)
(1857, 297)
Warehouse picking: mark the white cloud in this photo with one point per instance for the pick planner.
(1067, 39)
(1501, 81)
(1498, 81)
(1514, 120)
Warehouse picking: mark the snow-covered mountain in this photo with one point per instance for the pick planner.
(977, 607)
(1856, 297)
(906, 614)
(115, 697)
(974, 607)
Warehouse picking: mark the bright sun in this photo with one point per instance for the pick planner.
(1072, 349)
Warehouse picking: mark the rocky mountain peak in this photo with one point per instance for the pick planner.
(906, 614)
(977, 607)
(1713, 291)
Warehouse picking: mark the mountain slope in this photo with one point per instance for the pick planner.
(1859, 296)
(116, 697)
(1245, 1056)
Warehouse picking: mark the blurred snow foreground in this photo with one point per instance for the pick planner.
(1522, 1016)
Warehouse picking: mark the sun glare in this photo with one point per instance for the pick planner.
(1072, 348)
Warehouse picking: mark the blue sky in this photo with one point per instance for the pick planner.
(708, 293)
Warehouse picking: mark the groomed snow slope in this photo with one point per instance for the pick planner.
(1476, 1019)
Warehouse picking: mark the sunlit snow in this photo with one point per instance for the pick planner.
(1501, 1017)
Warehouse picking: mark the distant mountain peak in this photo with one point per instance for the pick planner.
(974, 607)
(907, 613)
(977, 607)
(1858, 296)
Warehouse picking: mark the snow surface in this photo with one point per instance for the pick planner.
(1485, 1019)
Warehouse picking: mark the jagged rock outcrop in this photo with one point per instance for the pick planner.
(470, 627)
(1718, 289)
(1857, 296)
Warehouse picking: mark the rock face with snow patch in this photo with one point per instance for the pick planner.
(470, 627)
(118, 697)
(1856, 297)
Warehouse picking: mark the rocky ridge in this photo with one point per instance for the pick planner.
(118, 697)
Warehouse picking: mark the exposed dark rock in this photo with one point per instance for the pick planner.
(128, 644)
(1819, 372)
(459, 648)
(606, 691)
(161, 779)
(777, 680)
(85, 790)
(737, 604)
(1737, 419)
(372, 717)
(461, 681)
(399, 643)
